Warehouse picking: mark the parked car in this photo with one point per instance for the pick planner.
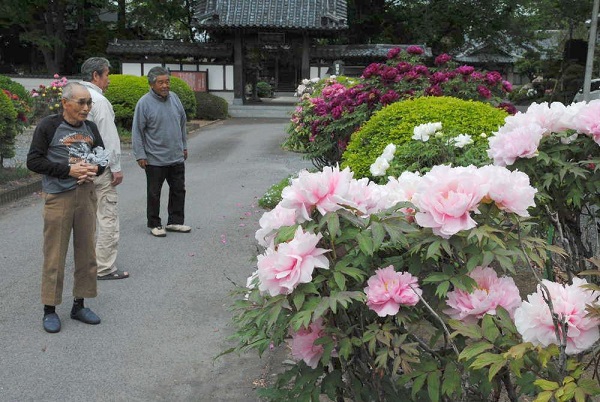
(594, 91)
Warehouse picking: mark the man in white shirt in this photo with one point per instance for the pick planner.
(95, 72)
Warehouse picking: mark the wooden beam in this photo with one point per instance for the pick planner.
(305, 56)
(238, 69)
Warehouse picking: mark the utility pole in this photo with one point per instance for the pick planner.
(589, 64)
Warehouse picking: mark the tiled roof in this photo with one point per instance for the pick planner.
(287, 14)
(372, 51)
(168, 47)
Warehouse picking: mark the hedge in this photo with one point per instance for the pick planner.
(8, 127)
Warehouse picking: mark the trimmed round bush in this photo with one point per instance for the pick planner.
(264, 89)
(396, 122)
(186, 94)
(211, 107)
(124, 92)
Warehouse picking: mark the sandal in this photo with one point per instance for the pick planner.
(114, 275)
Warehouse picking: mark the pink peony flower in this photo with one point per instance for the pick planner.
(490, 293)
(303, 343)
(510, 191)
(415, 50)
(588, 120)
(387, 290)
(273, 220)
(534, 322)
(522, 142)
(393, 52)
(484, 92)
(465, 70)
(327, 191)
(442, 59)
(445, 198)
(281, 270)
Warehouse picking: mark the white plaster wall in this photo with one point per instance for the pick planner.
(131, 69)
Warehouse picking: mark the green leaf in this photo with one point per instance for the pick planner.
(490, 331)
(365, 243)
(340, 280)
(436, 277)
(378, 234)
(469, 330)
(546, 385)
(442, 289)
(417, 385)
(474, 349)
(451, 381)
(494, 368)
(333, 225)
(433, 250)
(486, 359)
(299, 300)
(543, 396)
(321, 308)
(355, 273)
(433, 386)
(285, 234)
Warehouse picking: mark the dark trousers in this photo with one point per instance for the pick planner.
(175, 177)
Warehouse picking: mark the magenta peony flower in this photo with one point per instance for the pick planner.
(442, 59)
(534, 322)
(414, 50)
(484, 92)
(387, 290)
(507, 87)
(465, 70)
(508, 107)
(326, 191)
(510, 191)
(445, 198)
(492, 78)
(281, 270)
(390, 96)
(490, 293)
(393, 52)
(303, 343)
(522, 142)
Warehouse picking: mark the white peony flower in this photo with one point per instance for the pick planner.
(379, 167)
(462, 140)
(422, 132)
(388, 152)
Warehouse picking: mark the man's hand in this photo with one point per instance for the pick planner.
(83, 172)
(142, 163)
(185, 154)
(117, 178)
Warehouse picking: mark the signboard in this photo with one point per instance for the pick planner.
(197, 80)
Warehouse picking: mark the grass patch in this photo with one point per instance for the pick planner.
(11, 174)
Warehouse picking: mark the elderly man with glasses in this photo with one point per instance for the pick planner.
(68, 151)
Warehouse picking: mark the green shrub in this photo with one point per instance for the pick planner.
(396, 122)
(264, 89)
(186, 94)
(21, 99)
(211, 107)
(124, 92)
(273, 195)
(8, 128)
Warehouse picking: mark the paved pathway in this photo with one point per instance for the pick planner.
(162, 327)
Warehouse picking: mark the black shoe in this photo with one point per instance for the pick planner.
(85, 315)
(51, 323)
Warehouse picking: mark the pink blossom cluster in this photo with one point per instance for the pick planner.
(446, 197)
(282, 268)
(521, 134)
(491, 292)
(387, 290)
(534, 320)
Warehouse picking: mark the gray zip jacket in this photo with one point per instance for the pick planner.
(159, 129)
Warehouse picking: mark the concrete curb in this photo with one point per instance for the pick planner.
(19, 192)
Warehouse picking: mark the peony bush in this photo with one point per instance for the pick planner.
(325, 119)
(393, 291)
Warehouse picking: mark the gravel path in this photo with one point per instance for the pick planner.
(22, 143)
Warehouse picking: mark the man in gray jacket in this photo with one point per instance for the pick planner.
(159, 140)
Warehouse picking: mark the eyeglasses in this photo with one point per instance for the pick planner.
(82, 102)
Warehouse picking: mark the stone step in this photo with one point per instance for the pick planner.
(262, 111)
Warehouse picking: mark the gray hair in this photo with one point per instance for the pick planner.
(94, 64)
(155, 72)
(67, 90)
